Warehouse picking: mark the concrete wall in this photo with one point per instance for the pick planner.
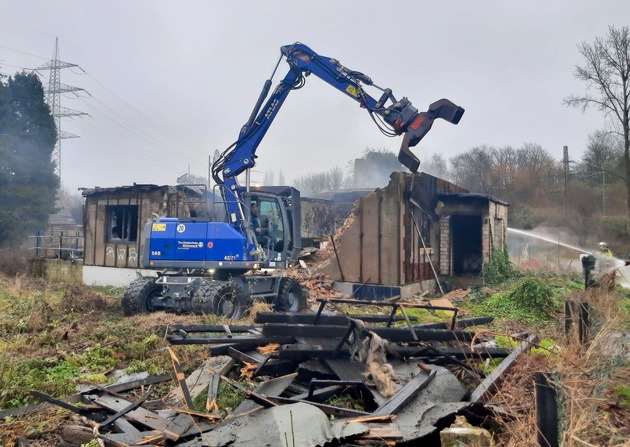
(111, 276)
(56, 270)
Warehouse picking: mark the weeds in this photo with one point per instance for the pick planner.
(498, 268)
(531, 300)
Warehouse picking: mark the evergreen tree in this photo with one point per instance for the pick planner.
(28, 184)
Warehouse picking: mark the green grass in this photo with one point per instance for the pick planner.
(623, 394)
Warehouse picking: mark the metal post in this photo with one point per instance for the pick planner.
(546, 410)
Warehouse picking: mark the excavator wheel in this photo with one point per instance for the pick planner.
(292, 297)
(229, 301)
(202, 300)
(141, 296)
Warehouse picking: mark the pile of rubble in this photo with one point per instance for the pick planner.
(308, 379)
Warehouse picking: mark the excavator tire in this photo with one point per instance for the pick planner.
(229, 301)
(202, 300)
(292, 297)
(139, 296)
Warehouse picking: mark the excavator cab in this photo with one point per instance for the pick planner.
(272, 213)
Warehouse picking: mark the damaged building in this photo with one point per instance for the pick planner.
(418, 228)
(113, 224)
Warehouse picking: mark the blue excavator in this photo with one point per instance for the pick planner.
(220, 267)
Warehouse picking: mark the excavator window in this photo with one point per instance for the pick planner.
(270, 233)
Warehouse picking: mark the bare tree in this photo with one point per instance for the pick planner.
(606, 71)
(603, 155)
(436, 166)
(337, 178)
(281, 179)
(472, 169)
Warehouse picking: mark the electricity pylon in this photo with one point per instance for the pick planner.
(53, 98)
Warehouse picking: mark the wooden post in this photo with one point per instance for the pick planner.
(546, 410)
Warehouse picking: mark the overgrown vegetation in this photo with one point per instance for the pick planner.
(498, 268)
(56, 336)
(530, 300)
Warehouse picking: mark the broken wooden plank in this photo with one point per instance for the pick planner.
(218, 328)
(181, 379)
(132, 385)
(197, 382)
(323, 320)
(124, 426)
(246, 342)
(143, 438)
(405, 394)
(79, 435)
(390, 334)
(270, 388)
(487, 386)
(299, 352)
(252, 357)
(126, 410)
(141, 416)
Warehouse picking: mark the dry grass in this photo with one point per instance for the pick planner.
(14, 262)
(586, 376)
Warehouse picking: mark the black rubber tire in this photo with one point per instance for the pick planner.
(291, 297)
(202, 300)
(228, 300)
(138, 297)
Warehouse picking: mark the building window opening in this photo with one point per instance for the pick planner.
(122, 223)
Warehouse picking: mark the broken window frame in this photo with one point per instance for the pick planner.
(121, 223)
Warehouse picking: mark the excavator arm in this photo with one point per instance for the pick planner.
(392, 116)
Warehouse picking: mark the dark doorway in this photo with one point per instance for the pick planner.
(467, 249)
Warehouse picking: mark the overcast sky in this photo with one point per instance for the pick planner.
(170, 82)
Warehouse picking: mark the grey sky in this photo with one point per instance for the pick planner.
(171, 82)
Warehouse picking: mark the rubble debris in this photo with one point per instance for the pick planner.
(462, 433)
(296, 424)
(197, 382)
(270, 388)
(383, 381)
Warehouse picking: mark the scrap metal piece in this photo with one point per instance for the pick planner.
(298, 424)
(487, 386)
(270, 388)
(62, 404)
(405, 394)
